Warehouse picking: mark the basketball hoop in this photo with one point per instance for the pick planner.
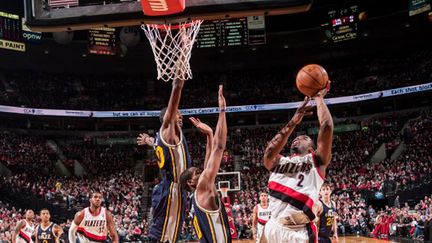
(172, 46)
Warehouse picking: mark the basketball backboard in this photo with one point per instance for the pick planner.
(230, 180)
(80, 14)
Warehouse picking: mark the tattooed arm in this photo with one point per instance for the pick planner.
(278, 142)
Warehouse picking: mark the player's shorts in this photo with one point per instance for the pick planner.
(275, 232)
(260, 231)
(82, 239)
(169, 204)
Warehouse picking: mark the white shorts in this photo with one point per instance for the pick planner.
(275, 232)
(83, 239)
(260, 231)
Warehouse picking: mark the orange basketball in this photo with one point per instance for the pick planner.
(311, 79)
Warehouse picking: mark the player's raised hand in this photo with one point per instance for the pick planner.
(303, 110)
(221, 99)
(145, 139)
(204, 128)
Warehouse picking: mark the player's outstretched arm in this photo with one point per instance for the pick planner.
(173, 104)
(111, 227)
(325, 134)
(79, 216)
(17, 229)
(218, 144)
(208, 132)
(278, 142)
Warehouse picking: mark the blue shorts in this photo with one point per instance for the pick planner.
(324, 240)
(169, 205)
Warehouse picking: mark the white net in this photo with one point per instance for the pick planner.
(172, 46)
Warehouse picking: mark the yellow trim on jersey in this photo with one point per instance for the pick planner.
(184, 156)
(197, 228)
(167, 211)
(161, 157)
(223, 226)
(211, 228)
(173, 163)
(178, 214)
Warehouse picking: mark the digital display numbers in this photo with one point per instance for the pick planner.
(10, 32)
(343, 24)
(102, 41)
(232, 32)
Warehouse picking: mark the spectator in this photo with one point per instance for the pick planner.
(396, 202)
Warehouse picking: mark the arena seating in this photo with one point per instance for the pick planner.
(241, 87)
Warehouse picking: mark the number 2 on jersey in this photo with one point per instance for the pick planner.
(301, 178)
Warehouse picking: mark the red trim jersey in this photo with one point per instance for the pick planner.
(25, 234)
(93, 228)
(294, 187)
(263, 214)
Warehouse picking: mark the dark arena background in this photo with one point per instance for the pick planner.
(78, 85)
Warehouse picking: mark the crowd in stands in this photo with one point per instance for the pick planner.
(89, 92)
(19, 152)
(98, 159)
(8, 218)
(352, 173)
(411, 169)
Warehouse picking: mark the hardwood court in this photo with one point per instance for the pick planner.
(347, 239)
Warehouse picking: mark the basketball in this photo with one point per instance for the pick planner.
(311, 79)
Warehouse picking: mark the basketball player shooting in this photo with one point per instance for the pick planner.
(47, 231)
(24, 229)
(295, 180)
(210, 218)
(93, 223)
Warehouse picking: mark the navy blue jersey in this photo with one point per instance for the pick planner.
(46, 235)
(326, 221)
(211, 226)
(172, 159)
(168, 199)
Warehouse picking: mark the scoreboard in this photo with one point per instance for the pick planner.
(102, 41)
(10, 32)
(232, 32)
(10, 27)
(343, 23)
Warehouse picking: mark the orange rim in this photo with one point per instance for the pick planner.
(174, 26)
